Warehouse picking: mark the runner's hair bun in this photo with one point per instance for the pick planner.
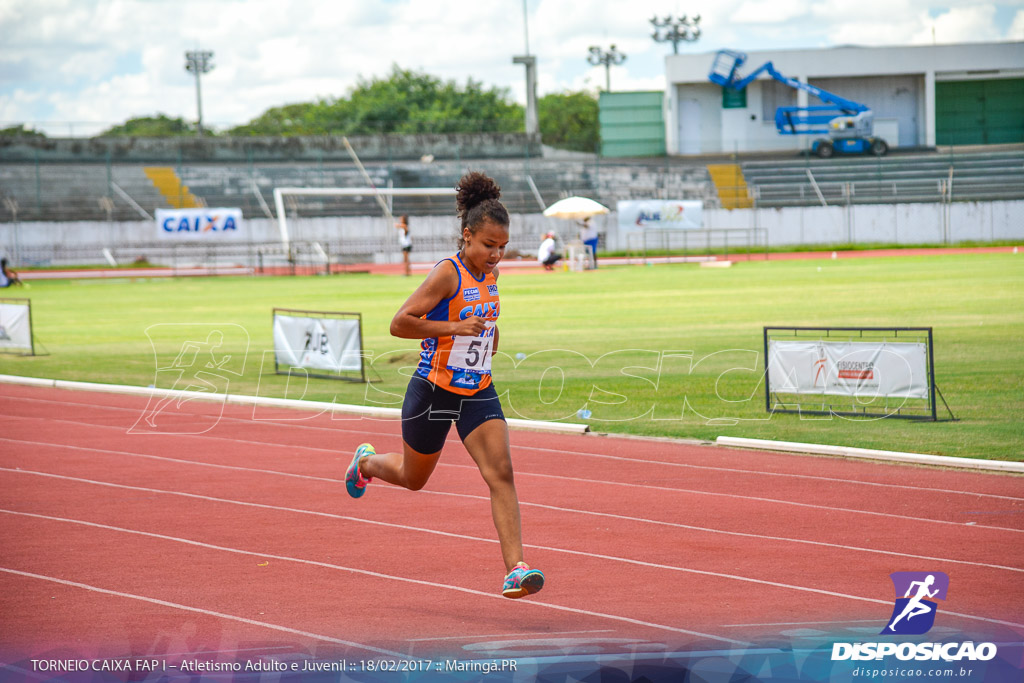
(474, 188)
(476, 198)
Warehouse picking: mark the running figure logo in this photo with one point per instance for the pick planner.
(914, 612)
(193, 358)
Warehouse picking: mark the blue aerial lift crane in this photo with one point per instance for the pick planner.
(849, 125)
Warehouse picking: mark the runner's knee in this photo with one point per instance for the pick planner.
(498, 474)
(415, 483)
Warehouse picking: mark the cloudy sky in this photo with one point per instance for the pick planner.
(78, 66)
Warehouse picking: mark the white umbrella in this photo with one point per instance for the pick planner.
(575, 208)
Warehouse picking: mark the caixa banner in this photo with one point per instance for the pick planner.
(199, 224)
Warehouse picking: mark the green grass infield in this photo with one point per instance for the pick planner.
(666, 350)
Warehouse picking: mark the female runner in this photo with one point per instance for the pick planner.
(454, 312)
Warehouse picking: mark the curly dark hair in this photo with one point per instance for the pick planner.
(476, 198)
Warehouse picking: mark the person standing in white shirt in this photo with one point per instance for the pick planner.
(404, 241)
(589, 237)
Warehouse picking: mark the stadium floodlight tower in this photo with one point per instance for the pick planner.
(676, 30)
(199, 62)
(612, 56)
(530, 62)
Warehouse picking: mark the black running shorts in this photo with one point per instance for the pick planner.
(428, 412)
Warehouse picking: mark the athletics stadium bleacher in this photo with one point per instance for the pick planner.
(923, 177)
(124, 192)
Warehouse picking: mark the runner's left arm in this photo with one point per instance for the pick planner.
(494, 346)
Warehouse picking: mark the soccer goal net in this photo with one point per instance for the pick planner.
(351, 223)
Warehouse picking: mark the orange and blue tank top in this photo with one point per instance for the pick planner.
(460, 364)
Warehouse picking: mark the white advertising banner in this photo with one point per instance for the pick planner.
(331, 344)
(199, 224)
(862, 369)
(660, 214)
(15, 327)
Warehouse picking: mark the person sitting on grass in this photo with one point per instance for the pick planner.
(589, 237)
(7, 276)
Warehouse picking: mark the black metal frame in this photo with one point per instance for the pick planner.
(779, 406)
(31, 332)
(324, 314)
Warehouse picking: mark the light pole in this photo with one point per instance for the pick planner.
(612, 56)
(676, 30)
(199, 62)
(530, 62)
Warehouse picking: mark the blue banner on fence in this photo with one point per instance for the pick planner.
(199, 224)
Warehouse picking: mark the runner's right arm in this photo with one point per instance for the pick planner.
(441, 284)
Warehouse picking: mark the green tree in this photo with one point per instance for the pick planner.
(21, 131)
(569, 121)
(291, 119)
(159, 126)
(403, 102)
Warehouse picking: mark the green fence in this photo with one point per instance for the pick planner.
(632, 124)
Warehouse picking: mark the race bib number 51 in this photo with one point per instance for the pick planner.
(472, 354)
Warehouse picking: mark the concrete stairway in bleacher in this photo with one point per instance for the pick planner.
(731, 186)
(165, 179)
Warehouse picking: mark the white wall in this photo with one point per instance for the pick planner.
(886, 223)
(436, 235)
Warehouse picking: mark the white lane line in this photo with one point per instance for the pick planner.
(759, 499)
(182, 461)
(587, 454)
(559, 477)
(199, 610)
(741, 534)
(809, 477)
(310, 477)
(512, 635)
(808, 623)
(430, 584)
(277, 422)
(466, 537)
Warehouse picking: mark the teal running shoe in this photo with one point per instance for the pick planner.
(522, 581)
(355, 482)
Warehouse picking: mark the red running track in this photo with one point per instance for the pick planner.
(509, 266)
(224, 530)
